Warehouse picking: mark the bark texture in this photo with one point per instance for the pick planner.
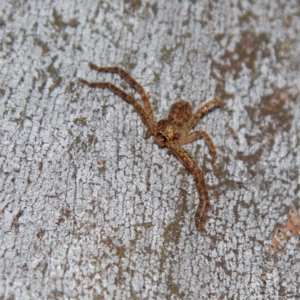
(92, 210)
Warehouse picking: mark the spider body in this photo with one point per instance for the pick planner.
(169, 129)
(171, 132)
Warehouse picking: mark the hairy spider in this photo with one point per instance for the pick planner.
(171, 132)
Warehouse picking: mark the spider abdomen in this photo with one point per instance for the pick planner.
(180, 112)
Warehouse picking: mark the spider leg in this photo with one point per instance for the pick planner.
(191, 165)
(131, 81)
(198, 114)
(129, 99)
(199, 133)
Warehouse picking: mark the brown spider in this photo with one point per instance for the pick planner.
(171, 132)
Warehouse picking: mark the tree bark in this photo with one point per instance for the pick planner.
(90, 209)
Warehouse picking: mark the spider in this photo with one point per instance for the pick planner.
(171, 132)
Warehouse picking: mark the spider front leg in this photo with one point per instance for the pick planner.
(193, 168)
(199, 133)
(206, 107)
(131, 81)
(129, 99)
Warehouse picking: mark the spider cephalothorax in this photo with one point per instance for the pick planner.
(169, 129)
(171, 132)
(165, 132)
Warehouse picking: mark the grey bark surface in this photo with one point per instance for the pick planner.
(92, 210)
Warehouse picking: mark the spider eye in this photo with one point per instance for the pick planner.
(160, 140)
(162, 137)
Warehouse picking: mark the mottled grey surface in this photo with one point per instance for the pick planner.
(92, 210)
